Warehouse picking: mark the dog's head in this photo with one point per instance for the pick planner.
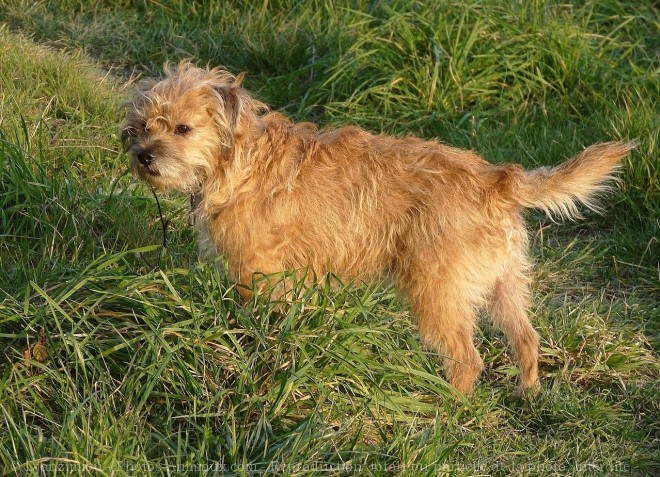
(180, 131)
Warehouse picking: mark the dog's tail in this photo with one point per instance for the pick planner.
(559, 190)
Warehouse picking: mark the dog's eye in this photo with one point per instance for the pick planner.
(144, 127)
(181, 129)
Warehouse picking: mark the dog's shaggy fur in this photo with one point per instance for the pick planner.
(445, 224)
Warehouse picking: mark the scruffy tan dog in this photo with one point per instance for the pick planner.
(445, 224)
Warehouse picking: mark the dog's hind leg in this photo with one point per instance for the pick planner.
(508, 310)
(446, 321)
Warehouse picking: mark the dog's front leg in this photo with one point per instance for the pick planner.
(258, 274)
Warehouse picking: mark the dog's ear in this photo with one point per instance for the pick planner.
(235, 99)
(236, 110)
(231, 106)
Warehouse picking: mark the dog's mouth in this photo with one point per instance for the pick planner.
(146, 170)
(150, 170)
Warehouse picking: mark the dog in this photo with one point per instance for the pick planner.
(444, 224)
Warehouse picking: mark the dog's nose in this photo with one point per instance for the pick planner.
(145, 157)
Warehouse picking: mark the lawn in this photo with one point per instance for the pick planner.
(119, 356)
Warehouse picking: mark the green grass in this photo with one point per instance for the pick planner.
(163, 371)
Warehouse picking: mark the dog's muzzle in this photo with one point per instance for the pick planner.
(145, 157)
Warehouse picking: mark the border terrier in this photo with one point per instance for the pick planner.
(444, 224)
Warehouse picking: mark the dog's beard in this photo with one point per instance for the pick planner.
(169, 173)
(145, 171)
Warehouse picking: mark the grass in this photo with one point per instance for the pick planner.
(112, 366)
